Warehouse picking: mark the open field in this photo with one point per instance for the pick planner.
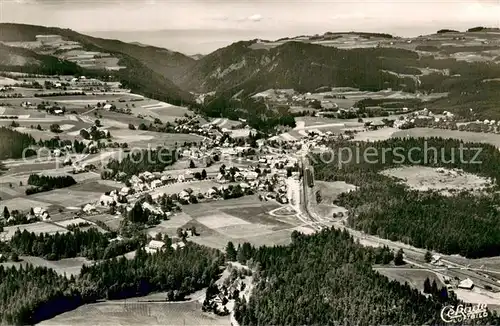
(68, 197)
(111, 221)
(476, 137)
(197, 186)
(37, 227)
(492, 263)
(138, 313)
(21, 172)
(375, 135)
(84, 99)
(164, 111)
(122, 118)
(85, 176)
(427, 178)
(476, 296)
(239, 220)
(170, 226)
(414, 277)
(73, 221)
(68, 266)
(153, 139)
(4, 81)
(23, 204)
(329, 191)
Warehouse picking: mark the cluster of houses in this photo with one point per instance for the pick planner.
(268, 177)
(447, 120)
(154, 246)
(35, 214)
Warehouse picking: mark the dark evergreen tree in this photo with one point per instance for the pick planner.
(427, 286)
(6, 213)
(230, 251)
(399, 258)
(428, 256)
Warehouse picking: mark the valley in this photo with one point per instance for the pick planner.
(141, 185)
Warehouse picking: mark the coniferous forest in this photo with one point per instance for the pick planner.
(43, 183)
(465, 223)
(31, 294)
(327, 279)
(91, 244)
(13, 143)
(146, 160)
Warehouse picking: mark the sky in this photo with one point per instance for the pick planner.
(251, 18)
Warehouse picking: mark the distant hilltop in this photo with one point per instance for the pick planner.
(471, 30)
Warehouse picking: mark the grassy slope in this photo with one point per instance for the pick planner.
(147, 67)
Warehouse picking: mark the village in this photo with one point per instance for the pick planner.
(221, 181)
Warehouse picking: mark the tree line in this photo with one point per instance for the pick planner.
(43, 183)
(91, 244)
(32, 294)
(256, 113)
(138, 162)
(14, 143)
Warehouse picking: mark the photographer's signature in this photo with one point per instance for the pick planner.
(451, 314)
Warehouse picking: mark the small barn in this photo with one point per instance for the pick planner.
(466, 284)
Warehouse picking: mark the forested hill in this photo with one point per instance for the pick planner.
(327, 279)
(12, 57)
(301, 66)
(13, 143)
(148, 71)
(437, 63)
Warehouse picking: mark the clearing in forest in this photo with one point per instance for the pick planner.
(444, 180)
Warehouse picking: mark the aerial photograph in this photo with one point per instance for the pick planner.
(249, 162)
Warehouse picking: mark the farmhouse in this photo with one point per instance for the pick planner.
(184, 195)
(156, 184)
(466, 284)
(436, 260)
(135, 180)
(125, 191)
(89, 209)
(106, 200)
(178, 245)
(147, 175)
(41, 212)
(376, 125)
(154, 246)
(152, 209)
(211, 193)
(251, 175)
(244, 186)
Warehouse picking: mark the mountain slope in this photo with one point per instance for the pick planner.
(24, 60)
(465, 65)
(147, 68)
(301, 66)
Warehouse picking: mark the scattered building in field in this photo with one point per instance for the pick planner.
(156, 184)
(107, 200)
(125, 191)
(178, 245)
(155, 246)
(41, 213)
(89, 209)
(466, 284)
